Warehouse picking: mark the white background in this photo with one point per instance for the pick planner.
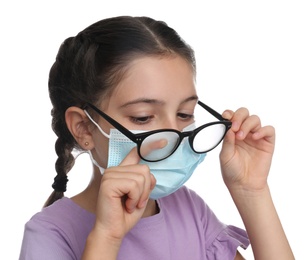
(249, 53)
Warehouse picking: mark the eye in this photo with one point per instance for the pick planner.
(185, 117)
(141, 120)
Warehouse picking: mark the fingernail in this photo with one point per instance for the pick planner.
(226, 115)
(235, 126)
(143, 204)
(130, 210)
(240, 134)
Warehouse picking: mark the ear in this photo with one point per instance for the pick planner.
(78, 125)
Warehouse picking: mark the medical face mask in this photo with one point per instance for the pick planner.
(170, 173)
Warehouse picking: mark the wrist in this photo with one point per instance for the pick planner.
(249, 189)
(99, 243)
(246, 197)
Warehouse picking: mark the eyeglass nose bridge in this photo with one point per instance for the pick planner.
(182, 135)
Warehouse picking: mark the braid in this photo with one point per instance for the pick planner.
(72, 81)
(64, 162)
(62, 95)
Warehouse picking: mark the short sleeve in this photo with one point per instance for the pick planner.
(225, 244)
(42, 241)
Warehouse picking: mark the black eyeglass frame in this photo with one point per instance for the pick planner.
(140, 137)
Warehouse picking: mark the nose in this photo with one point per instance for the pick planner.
(171, 124)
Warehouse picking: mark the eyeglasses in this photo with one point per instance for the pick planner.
(157, 145)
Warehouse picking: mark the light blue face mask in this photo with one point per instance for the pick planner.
(170, 173)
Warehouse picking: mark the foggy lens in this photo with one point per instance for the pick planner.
(208, 137)
(159, 146)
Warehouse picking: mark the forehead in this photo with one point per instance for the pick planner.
(150, 63)
(156, 77)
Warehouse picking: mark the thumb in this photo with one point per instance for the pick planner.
(132, 158)
(228, 146)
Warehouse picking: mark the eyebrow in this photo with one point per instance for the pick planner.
(156, 101)
(192, 98)
(142, 100)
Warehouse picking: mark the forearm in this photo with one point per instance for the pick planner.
(99, 247)
(263, 225)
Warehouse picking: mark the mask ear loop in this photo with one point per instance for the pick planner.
(95, 163)
(89, 152)
(96, 124)
(76, 153)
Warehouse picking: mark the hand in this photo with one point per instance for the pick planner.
(247, 151)
(123, 196)
(245, 158)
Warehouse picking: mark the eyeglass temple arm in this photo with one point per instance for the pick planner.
(120, 127)
(212, 111)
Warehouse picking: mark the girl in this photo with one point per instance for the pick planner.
(124, 91)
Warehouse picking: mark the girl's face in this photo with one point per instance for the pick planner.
(155, 93)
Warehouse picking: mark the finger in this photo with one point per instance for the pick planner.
(149, 182)
(153, 181)
(127, 191)
(149, 186)
(227, 114)
(131, 159)
(228, 144)
(140, 173)
(148, 147)
(144, 179)
(249, 125)
(116, 171)
(267, 132)
(143, 186)
(238, 117)
(134, 196)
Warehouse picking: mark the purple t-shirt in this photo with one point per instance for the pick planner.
(185, 228)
